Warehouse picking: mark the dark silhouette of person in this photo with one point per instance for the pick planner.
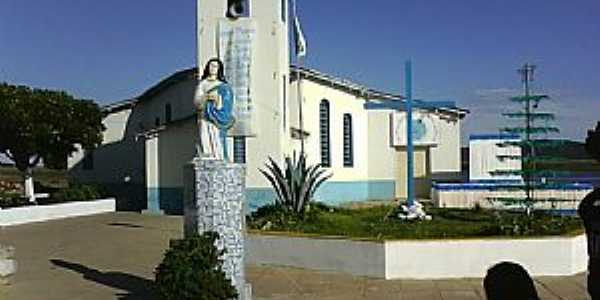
(509, 281)
(589, 211)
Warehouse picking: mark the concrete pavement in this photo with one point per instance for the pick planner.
(113, 256)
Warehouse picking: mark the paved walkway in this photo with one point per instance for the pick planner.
(112, 256)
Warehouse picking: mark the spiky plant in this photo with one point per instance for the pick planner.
(296, 184)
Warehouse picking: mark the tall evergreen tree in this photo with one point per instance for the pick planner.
(531, 125)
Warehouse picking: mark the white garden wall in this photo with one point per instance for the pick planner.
(552, 256)
(40, 213)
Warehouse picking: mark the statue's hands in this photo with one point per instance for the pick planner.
(210, 97)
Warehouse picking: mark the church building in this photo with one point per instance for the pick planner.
(151, 137)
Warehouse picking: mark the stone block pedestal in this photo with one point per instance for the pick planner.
(214, 196)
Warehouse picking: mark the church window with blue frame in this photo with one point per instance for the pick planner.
(348, 142)
(324, 133)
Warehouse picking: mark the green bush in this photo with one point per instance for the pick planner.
(541, 223)
(278, 216)
(192, 269)
(12, 199)
(75, 193)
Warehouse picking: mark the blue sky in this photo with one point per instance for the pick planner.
(466, 51)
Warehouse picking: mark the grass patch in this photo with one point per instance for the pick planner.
(380, 223)
(572, 165)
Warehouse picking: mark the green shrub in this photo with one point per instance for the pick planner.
(75, 193)
(192, 269)
(297, 183)
(12, 199)
(512, 224)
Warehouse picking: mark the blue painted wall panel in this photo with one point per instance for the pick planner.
(170, 200)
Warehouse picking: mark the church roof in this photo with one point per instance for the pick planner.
(305, 73)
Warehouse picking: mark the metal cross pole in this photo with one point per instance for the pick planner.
(410, 182)
(407, 106)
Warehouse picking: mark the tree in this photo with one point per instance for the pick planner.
(592, 142)
(43, 124)
(533, 124)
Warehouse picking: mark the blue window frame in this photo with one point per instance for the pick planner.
(348, 142)
(325, 132)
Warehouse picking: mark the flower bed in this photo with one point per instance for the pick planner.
(457, 243)
(380, 223)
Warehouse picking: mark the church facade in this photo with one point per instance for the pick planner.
(149, 138)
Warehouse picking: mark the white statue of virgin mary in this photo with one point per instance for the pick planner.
(214, 103)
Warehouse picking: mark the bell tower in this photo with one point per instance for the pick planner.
(254, 46)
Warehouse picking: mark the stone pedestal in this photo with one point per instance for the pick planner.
(214, 196)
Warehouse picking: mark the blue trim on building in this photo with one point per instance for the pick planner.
(494, 136)
(165, 200)
(335, 193)
(418, 103)
(500, 186)
(153, 201)
(258, 197)
(170, 200)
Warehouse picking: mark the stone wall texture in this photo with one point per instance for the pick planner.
(214, 201)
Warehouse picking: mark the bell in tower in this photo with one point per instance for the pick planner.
(235, 8)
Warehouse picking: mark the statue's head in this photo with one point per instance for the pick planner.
(214, 67)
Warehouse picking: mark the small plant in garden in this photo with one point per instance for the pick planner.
(295, 184)
(192, 270)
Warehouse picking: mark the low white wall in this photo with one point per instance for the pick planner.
(558, 256)
(39, 213)
(353, 257)
(469, 198)
(472, 258)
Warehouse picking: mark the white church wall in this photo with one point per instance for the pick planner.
(445, 157)
(382, 156)
(340, 103)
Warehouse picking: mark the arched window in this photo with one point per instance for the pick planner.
(168, 113)
(324, 133)
(348, 143)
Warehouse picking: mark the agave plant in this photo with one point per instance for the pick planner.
(296, 184)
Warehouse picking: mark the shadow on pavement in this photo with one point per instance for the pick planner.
(137, 288)
(129, 225)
